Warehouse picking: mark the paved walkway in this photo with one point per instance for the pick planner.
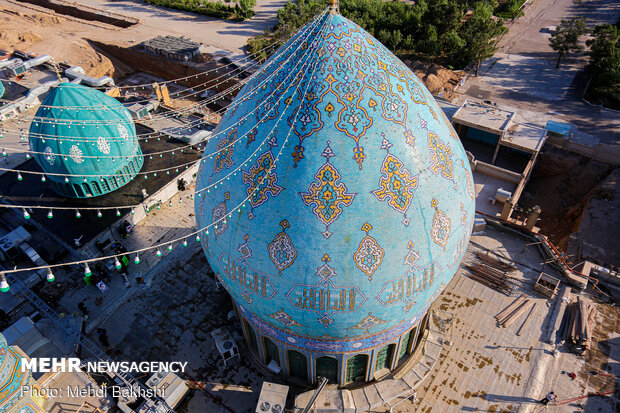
(490, 368)
(522, 74)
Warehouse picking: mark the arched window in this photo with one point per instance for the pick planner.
(327, 367)
(78, 190)
(120, 177)
(105, 185)
(96, 189)
(271, 351)
(404, 347)
(384, 357)
(298, 364)
(87, 190)
(356, 368)
(251, 336)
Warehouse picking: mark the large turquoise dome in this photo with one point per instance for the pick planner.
(85, 141)
(338, 198)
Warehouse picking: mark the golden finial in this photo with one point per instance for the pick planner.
(333, 7)
(56, 69)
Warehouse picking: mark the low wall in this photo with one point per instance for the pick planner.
(602, 152)
(85, 12)
(497, 172)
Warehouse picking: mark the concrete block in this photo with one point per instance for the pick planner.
(421, 370)
(360, 400)
(412, 379)
(348, 405)
(392, 389)
(329, 401)
(373, 397)
(428, 361)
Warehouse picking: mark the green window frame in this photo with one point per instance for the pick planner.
(271, 351)
(252, 336)
(297, 364)
(384, 357)
(327, 367)
(404, 348)
(356, 368)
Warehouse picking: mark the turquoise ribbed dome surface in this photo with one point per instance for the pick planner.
(1, 89)
(343, 197)
(84, 132)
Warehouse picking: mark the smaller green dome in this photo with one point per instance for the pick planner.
(1, 89)
(85, 140)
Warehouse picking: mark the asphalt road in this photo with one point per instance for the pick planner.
(522, 74)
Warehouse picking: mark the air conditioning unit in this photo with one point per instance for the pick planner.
(272, 398)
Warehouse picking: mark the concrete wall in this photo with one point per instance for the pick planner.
(602, 152)
(497, 172)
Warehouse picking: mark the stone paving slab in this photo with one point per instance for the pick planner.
(391, 389)
(489, 368)
(373, 397)
(360, 400)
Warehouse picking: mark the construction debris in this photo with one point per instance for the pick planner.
(578, 324)
(511, 313)
(547, 285)
(491, 277)
(496, 262)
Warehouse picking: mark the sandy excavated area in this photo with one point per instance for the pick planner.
(436, 78)
(42, 33)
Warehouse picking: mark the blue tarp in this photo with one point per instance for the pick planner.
(560, 128)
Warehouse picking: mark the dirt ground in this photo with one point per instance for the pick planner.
(436, 78)
(563, 183)
(42, 33)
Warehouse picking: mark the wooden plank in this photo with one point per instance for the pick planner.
(514, 316)
(517, 308)
(511, 307)
(529, 315)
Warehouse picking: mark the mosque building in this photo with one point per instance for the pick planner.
(85, 142)
(336, 204)
(13, 398)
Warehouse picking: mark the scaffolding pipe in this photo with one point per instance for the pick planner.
(318, 391)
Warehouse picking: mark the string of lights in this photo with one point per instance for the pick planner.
(145, 173)
(307, 29)
(204, 159)
(171, 151)
(233, 63)
(172, 113)
(198, 232)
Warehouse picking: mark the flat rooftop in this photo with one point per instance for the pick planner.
(486, 117)
(524, 137)
(486, 188)
(31, 191)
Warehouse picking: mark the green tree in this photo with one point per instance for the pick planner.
(453, 44)
(244, 7)
(565, 39)
(605, 66)
(605, 48)
(479, 34)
